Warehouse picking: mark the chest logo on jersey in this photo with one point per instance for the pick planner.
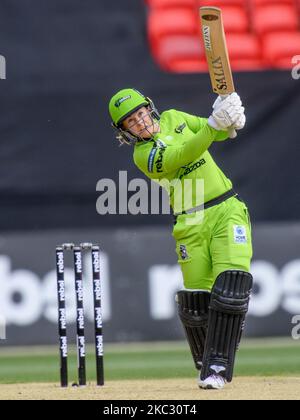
(193, 167)
(159, 160)
(180, 128)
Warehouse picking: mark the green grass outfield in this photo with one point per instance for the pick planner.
(268, 357)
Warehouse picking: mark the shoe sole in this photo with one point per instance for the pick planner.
(209, 387)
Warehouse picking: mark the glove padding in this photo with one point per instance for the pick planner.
(228, 113)
(240, 123)
(233, 98)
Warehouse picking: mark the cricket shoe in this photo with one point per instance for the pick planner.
(212, 382)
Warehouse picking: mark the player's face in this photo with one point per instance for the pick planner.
(140, 124)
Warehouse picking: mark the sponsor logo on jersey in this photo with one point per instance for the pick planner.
(159, 161)
(193, 168)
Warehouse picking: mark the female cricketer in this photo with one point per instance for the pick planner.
(215, 252)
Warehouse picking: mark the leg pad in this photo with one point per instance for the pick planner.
(227, 311)
(193, 312)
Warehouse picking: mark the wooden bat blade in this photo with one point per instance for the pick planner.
(216, 50)
(217, 53)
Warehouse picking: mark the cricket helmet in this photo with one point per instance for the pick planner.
(122, 105)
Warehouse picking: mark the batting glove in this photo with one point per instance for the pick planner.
(240, 123)
(236, 100)
(226, 115)
(233, 98)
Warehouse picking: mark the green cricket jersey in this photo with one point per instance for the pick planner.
(179, 152)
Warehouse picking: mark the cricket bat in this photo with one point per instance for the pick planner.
(217, 53)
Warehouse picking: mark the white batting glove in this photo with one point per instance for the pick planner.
(226, 116)
(233, 98)
(227, 113)
(240, 123)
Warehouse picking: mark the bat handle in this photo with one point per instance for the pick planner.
(231, 131)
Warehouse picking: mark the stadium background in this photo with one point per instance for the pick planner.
(64, 61)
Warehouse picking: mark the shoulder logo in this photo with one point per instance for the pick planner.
(119, 102)
(240, 234)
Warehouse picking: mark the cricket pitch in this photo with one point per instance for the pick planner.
(242, 388)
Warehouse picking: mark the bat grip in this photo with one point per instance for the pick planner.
(231, 131)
